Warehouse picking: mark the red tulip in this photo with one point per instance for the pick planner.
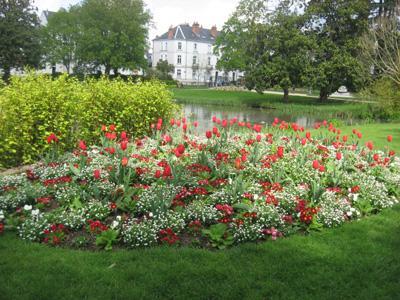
(123, 135)
(321, 168)
(215, 130)
(208, 134)
(96, 174)
(315, 164)
(369, 145)
(184, 127)
(172, 122)
(52, 138)
(124, 161)
(112, 127)
(338, 156)
(345, 137)
(195, 124)
(390, 138)
(157, 174)
(103, 128)
(82, 145)
(280, 151)
(308, 135)
(124, 145)
(376, 157)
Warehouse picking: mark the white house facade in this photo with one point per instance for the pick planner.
(190, 50)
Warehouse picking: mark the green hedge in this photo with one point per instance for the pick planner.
(33, 106)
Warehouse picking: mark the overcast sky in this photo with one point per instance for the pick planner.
(170, 12)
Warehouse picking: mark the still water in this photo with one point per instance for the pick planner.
(204, 113)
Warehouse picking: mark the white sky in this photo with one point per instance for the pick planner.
(170, 12)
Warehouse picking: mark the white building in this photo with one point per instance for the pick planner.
(190, 50)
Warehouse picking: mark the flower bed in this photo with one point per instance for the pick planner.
(239, 182)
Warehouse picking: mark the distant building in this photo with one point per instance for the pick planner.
(190, 50)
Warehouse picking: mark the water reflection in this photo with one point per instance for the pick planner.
(203, 114)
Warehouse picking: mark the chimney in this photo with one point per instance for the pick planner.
(196, 28)
(171, 33)
(214, 31)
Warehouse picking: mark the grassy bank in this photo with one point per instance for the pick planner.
(357, 261)
(297, 105)
(377, 133)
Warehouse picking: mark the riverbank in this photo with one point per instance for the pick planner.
(331, 109)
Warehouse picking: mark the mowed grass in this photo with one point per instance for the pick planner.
(359, 260)
(377, 133)
(296, 105)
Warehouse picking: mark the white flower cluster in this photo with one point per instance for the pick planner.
(199, 210)
(247, 232)
(32, 228)
(334, 210)
(143, 234)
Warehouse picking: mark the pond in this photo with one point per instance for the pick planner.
(204, 113)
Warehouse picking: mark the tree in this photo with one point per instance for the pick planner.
(336, 26)
(165, 69)
(113, 34)
(231, 44)
(60, 37)
(19, 36)
(280, 52)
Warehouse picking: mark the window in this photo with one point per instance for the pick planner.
(180, 46)
(195, 46)
(179, 59)
(194, 60)
(194, 73)
(209, 61)
(178, 73)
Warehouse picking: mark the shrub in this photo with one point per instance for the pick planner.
(34, 106)
(387, 94)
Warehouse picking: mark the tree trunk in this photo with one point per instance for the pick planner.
(6, 74)
(286, 95)
(107, 70)
(323, 96)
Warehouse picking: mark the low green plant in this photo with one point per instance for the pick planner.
(107, 238)
(219, 236)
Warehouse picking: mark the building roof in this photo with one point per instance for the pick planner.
(186, 32)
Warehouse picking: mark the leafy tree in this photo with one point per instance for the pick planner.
(60, 37)
(165, 68)
(113, 34)
(19, 36)
(233, 40)
(337, 26)
(280, 52)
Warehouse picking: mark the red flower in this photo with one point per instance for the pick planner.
(321, 168)
(82, 145)
(1, 228)
(103, 128)
(112, 127)
(124, 161)
(345, 137)
(376, 157)
(113, 205)
(123, 135)
(215, 130)
(389, 138)
(96, 174)
(280, 152)
(158, 174)
(180, 148)
(315, 164)
(195, 124)
(369, 145)
(124, 145)
(308, 135)
(338, 156)
(208, 134)
(52, 138)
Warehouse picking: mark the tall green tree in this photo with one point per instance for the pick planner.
(232, 43)
(60, 37)
(113, 34)
(279, 52)
(336, 26)
(19, 36)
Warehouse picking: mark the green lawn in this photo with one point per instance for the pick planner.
(297, 105)
(359, 260)
(377, 133)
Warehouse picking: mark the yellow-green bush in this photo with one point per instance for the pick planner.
(33, 106)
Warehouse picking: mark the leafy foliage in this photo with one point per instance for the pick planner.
(19, 36)
(34, 106)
